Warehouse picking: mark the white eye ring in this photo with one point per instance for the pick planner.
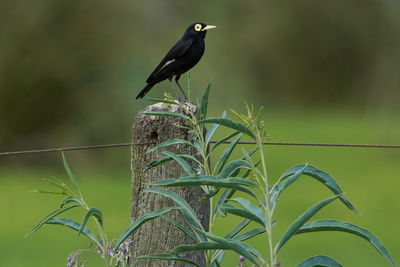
(197, 27)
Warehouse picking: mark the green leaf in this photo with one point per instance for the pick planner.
(174, 141)
(48, 192)
(73, 225)
(319, 261)
(58, 183)
(252, 215)
(279, 189)
(230, 182)
(232, 167)
(219, 254)
(194, 222)
(201, 246)
(71, 175)
(238, 228)
(223, 158)
(136, 224)
(166, 113)
(162, 100)
(95, 212)
(212, 191)
(48, 217)
(226, 138)
(237, 246)
(302, 219)
(257, 211)
(222, 199)
(250, 234)
(230, 124)
(212, 130)
(322, 177)
(162, 160)
(333, 225)
(185, 166)
(168, 257)
(73, 200)
(182, 228)
(202, 112)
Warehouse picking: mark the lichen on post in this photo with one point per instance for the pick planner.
(159, 236)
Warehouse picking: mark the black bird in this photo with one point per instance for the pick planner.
(180, 58)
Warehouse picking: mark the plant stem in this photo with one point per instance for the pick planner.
(267, 206)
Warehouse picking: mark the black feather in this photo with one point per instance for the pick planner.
(180, 58)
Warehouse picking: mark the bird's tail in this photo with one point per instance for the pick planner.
(144, 91)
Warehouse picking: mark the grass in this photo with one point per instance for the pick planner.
(368, 176)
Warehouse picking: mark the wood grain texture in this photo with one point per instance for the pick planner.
(159, 236)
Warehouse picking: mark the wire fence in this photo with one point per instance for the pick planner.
(226, 142)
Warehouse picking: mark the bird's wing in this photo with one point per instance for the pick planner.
(175, 52)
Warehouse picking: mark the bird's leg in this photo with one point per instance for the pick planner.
(176, 80)
(173, 87)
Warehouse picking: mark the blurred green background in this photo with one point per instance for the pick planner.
(325, 72)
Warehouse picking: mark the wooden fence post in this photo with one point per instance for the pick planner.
(159, 236)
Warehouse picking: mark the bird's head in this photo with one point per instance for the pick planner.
(198, 29)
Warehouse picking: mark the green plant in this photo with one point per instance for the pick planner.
(103, 246)
(244, 175)
(220, 181)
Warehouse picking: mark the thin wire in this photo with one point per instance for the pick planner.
(72, 148)
(226, 142)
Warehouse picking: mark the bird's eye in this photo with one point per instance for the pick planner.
(197, 27)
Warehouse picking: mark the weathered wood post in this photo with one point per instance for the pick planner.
(159, 236)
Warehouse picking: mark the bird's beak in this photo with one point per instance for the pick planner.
(208, 27)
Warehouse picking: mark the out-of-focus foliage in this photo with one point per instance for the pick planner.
(69, 70)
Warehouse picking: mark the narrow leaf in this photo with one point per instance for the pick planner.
(277, 190)
(322, 177)
(301, 220)
(47, 192)
(48, 217)
(71, 175)
(180, 202)
(212, 130)
(136, 224)
(230, 124)
(186, 167)
(201, 246)
(238, 228)
(168, 257)
(166, 113)
(56, 183)
(222, 199)
(95, 212)
(333, 225)
(250, 234)
(212, 191)
(202, 112)
(242, 213)
(71, 199)
(229, 182)
(226, 138)
(73, 225)
(182, 228)
(162, 160)
(171, 142)
(232, 167)
(223, 158)
(237, 246)
(319, 261)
